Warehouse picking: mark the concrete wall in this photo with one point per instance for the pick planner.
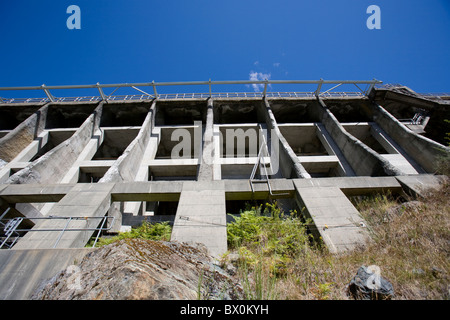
(51, 167)
(206, 197)
(127, 165)
(363, 160)
(423, 150)
(288, 162)
(20, 137)
(23, 271)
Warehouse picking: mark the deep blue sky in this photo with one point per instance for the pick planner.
(196, 40)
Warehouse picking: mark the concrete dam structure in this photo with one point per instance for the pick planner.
(75, 168)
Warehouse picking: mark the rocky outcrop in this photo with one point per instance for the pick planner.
(136, 269)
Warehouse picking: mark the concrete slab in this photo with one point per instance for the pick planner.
(147, 191)
(16, 193)
(201, 216)
(418, 185)
(353, 185)
(335, 219)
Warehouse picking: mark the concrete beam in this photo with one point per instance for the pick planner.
(363, 160)
(53, 166)
(420, 185)
(242, 190)
(207, 155)
(30, 193)
(235, 189)
(424, 151)
(353, 185)
(147, 191)
(289, 164)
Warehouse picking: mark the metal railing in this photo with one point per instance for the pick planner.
(444, 96)
(10, 232)
(263, 84)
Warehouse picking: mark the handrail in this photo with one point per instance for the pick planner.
(11, 227)
(144, 95)
(170, 96)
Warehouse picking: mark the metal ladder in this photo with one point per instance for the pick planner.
(262, 166)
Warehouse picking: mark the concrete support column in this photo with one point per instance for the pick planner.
(53, 166)
(363, 160)
(127, 166)
(201, 216)
(24, 134)
(217, 166)
(335, 218)
(424, 151)
(289, 164)
(23, 158)
(344, 168)
(207, 155)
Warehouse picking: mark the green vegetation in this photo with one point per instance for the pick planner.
(149, 231)
(275, 257)
(267, 242)
(271, 231)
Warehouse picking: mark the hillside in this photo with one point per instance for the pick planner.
(272, 256)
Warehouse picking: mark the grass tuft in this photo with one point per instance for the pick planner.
(410, 246)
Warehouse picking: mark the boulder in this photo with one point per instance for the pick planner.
(136, 269)
(368, 284)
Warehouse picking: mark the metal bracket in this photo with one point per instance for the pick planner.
(49, 95)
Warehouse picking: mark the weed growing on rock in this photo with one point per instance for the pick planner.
(149, 231)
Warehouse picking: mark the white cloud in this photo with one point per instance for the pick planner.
(258, 76)
(256, 63)
(276, 64)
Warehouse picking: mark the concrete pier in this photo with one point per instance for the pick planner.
(188, 161)
(201, 216)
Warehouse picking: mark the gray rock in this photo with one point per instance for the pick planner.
(136, 269)
(370, 285)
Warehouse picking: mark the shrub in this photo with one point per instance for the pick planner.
(272, 231)
(149, 231)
